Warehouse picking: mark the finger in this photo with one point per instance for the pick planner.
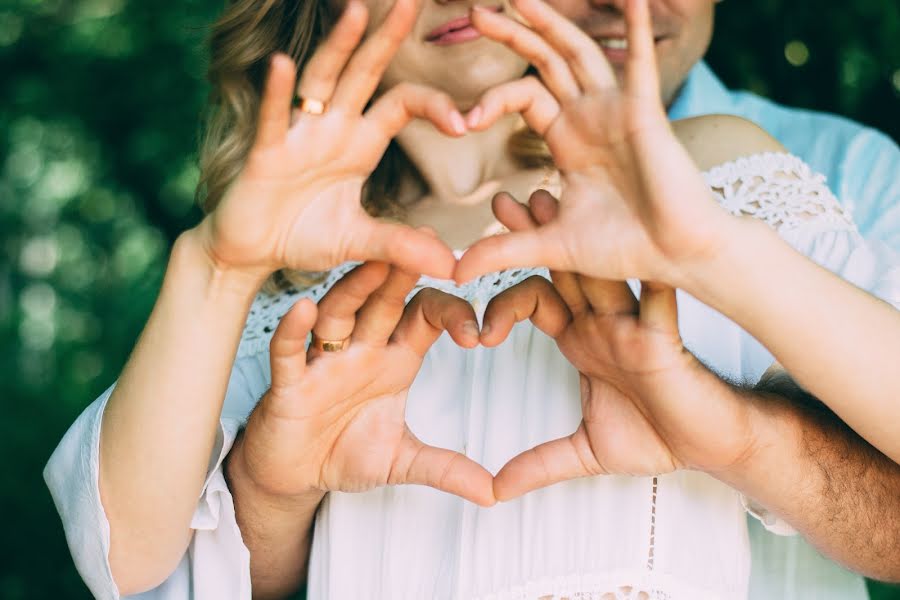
(641, 76)
(545, 207)
(320, 75)
(602, 295)
(275, 106)
(584, 58)
(337, 309)
(287, 350)
(367, 66)
(429, 314)
(444, 470)
(530, 46)
(511, 214)
(526, 96)
(539, 247)
(378, 317)
(659, 307)
(411, 250)
(406, 101)
(549, 463)
(535, 299)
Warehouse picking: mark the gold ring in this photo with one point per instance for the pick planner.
(329, 345)
(310, 106)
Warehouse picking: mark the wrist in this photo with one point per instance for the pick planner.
(706, 276)
(218, 278)
(767, 471)
(242, 483)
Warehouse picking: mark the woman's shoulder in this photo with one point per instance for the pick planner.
(712, 140)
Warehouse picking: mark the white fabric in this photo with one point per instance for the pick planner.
(676, 536)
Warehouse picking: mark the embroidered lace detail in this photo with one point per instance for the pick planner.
(632, 585)
(267, 310)
(779, 189)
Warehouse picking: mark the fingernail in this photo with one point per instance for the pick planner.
(457, 122)
(470, 328)
(474, 116)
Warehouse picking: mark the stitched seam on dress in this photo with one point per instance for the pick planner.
(651, 550)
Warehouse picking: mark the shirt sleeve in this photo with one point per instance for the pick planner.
(216, 565)
(870, 188)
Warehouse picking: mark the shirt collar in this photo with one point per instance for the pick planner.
(702, 94)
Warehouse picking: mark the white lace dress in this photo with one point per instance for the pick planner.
(673, 537)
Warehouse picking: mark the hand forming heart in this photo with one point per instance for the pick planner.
(642, 391)
(335, 421)
(633, 203)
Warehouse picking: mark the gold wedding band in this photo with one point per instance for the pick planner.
(310, 106)
(329, 345)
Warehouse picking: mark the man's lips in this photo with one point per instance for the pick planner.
(456, 30)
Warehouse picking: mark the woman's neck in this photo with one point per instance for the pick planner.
(461, 176)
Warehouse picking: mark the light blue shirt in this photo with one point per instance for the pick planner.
(862, 166)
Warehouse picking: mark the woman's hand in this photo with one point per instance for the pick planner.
(296, 202)
(633, 204)
(335, 421)
(649, 406)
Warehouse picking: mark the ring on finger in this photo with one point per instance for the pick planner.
(329, 345)
(310, 106)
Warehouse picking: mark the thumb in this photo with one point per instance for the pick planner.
(532, 248)
(413, 250)
(443, 469)
(659, 307)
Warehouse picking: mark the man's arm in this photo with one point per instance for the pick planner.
(815, 473)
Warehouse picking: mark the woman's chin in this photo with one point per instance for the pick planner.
(471, 79)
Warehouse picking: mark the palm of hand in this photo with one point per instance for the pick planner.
(352, 416)
(619, 361)
(312, 196)
(335, 420)
(613, 204)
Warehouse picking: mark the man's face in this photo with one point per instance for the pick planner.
(682, 28)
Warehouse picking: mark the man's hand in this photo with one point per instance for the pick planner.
(649, 405)
(335, 421)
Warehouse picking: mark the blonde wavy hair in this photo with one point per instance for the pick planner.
(240, 43)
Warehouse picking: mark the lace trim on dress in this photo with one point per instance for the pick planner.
(608, 586)
(267, 310)
(779, 189)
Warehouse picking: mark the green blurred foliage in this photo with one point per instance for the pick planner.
(98, 135)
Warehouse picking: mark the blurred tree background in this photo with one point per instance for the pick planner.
(98, 131)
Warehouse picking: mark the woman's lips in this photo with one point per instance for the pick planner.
(456, 31)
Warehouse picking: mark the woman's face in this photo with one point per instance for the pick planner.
(444, 52)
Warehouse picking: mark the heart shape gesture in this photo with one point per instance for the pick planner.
(335, 421)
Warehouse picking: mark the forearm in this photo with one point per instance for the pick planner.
(277, 531)
(835, 339)
(160, 422)
(815, 473)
